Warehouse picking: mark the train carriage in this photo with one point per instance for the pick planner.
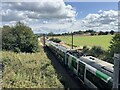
(93, 72)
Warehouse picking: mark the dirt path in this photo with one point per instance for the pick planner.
(68, 80)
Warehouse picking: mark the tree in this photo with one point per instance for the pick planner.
(51, 34)
(106, 33)
(19, 38)
(115, 44)
(100, 33)
(7, 38)
(111, 32)
(114, 48)
(96, 51)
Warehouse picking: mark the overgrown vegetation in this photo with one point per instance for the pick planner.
(28, 70)
(114, 48)
(106, 55)
(19, 38)
(57, 40)
(95, 51)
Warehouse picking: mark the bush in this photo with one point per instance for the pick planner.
(19, 38)
(57, 40)
(85, 50)
(96, 51)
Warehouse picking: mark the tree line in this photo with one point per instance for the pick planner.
(88, 32)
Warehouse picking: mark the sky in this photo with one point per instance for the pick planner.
(58, 16)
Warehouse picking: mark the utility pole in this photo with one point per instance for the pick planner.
(116, 73)
(72, 39)
(44, 40)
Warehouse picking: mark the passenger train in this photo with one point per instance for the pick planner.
(93, 72)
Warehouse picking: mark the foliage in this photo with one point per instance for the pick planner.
(19, 38)
(96, 51)
(103, 33)
(50, 34)
(85, 50)
(28, 70)
(114, 48)
(112, 32)
(107, 57)
(115, 44)
(57, 40)
(80, 32)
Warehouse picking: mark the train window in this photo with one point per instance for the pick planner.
(67, 57)
(81, 70)
(74, 63)
(97, 81)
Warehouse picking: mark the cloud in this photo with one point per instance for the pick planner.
(9, 15)
(101, 19)
(55, 16)
(45, 9)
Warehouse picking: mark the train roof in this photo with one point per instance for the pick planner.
(57, 45)
(98, 64)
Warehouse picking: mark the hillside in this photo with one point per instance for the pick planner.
(25, 70)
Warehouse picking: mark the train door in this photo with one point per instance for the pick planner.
(66, 58)
(81, 70)
(69, 61)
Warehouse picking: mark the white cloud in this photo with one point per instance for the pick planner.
(100, 11)
(49, 9)
(54, 16)
(104, 20)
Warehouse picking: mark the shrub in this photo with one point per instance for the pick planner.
(57, 40)
(96, 51)
(85, 50)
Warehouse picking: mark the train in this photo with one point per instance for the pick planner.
(91, 71)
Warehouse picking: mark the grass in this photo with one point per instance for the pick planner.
(25, 70)
(101, 40)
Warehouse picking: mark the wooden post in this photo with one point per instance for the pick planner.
(44, 40)
(72, 40)
(116, 73)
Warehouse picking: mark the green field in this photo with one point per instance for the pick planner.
(101, 40)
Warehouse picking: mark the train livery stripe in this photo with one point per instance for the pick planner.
(91, 69)
(102, 75)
